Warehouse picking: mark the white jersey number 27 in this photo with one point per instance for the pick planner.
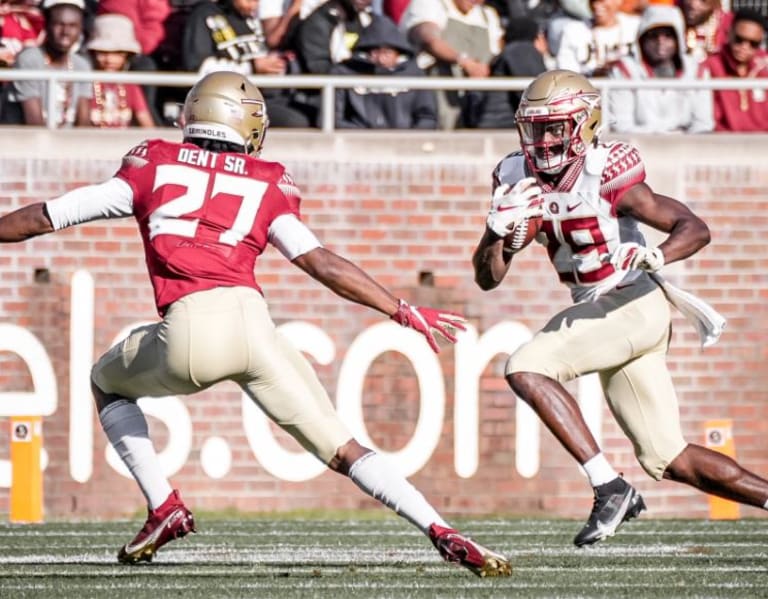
(171, 219)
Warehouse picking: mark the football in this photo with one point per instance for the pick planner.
(523, 234)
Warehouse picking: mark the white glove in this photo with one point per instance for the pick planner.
(511, 205)
(633, 256)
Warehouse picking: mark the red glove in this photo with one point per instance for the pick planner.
(424, 320)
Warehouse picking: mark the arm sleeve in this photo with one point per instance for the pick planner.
(291, 237)
(24, 90)
(424, 11)
(111, 199)
(270, 9)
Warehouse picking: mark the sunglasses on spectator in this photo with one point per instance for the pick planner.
(737, 40)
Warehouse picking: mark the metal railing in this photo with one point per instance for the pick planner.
(328, 84)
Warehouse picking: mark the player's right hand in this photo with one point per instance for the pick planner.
(511, 205)
(633, 256)
(424, 320)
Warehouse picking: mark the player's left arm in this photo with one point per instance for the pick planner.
(352, 283)
(346, 279)
(687, 233)
(298, 243)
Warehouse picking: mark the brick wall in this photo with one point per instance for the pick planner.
(409, 209)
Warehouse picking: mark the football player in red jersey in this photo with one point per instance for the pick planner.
(206, 209)
(594, 198)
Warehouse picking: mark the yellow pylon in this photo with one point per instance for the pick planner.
(26, 472)
(718, 436)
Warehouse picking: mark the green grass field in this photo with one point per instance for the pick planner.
(365, 558)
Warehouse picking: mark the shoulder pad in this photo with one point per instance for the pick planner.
(287, 185)
(594, 161)
(623, 165)
(137, 156)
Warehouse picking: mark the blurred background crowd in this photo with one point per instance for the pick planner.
(619, 39)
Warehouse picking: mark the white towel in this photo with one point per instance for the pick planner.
(705, 319)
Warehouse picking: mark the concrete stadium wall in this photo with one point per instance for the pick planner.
(409, 208)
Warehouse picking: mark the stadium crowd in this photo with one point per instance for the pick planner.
(620, 39)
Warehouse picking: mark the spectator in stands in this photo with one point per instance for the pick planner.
(148, 18)
(167, 57)
(566, 12)
(27, 101)
(590, 47)
(661, 55)
(227, 36)
(326, 37)
(456, 38)
(116, 105)
(707, 26)
(280, 20)
(383, 50)
(742, 57)
(525, 54)
(21, 25)
(541, 11)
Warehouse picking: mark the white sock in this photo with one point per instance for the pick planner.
(765, 505)
(127, 431)
(378, 479)
(598, 470)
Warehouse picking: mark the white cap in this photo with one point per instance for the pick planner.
(113, 33)
(76, 3)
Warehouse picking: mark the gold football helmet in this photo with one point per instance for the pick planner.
(225, 106)
(558, 118)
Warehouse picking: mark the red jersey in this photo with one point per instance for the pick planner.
(114, 105)
(203, 216)
(739, 110)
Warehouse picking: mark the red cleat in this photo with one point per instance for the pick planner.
(458, 549)
(170, 521)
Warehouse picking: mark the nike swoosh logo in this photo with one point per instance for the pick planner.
(176, 515)
(572, 207)
(607, 529)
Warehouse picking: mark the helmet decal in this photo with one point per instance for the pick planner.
(225, 106)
